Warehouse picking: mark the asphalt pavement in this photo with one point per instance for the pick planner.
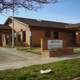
(10, 58)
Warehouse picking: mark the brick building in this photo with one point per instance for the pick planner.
(31, 31)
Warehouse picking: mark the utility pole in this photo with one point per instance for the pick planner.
(13, 25)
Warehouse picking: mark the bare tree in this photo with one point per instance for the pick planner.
(27, 4)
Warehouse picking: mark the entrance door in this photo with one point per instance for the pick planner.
(24, 36)
(72, 38)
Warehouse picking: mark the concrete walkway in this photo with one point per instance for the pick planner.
(12, 59)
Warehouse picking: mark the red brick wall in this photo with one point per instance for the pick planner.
(37, 35)
(56, 52)
(64, 36)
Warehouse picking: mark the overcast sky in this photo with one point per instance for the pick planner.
(65, 11)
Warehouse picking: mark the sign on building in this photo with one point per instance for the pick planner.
(55, 44)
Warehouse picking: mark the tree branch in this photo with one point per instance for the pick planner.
(27, 4)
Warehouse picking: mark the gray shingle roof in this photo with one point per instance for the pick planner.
(41, 23)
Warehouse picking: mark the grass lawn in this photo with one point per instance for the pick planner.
(63, 70)
(76, 49)
(35, 50)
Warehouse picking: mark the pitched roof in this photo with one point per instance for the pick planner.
(45, 23)
(2, 26)
(74, 25)
(41, 23)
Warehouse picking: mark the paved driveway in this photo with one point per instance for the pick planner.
(11, 58)
(9, 55)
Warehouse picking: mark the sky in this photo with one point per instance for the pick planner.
(67, 11)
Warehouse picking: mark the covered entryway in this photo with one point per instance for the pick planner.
(5, 35)
(20, 38)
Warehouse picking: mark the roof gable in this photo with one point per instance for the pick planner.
(44, 23)
(41, 23)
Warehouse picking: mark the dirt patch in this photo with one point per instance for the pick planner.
(78, 78)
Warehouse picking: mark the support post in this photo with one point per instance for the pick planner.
(30, 39)
(13, 26)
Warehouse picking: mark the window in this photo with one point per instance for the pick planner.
(47, 34)
(56, 36)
